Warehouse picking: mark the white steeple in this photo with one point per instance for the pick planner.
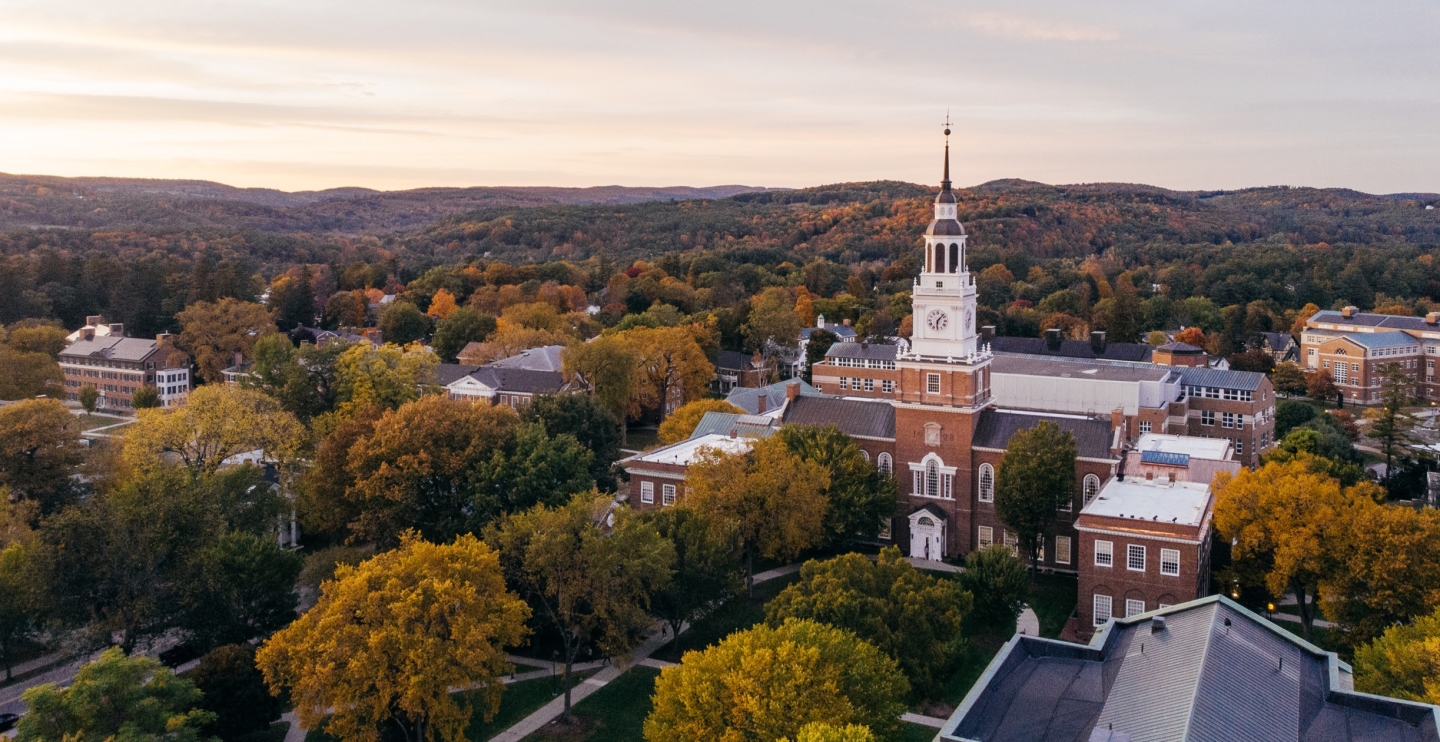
(943, 300)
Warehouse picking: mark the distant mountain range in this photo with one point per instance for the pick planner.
(39, 201)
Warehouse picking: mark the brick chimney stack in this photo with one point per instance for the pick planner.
(792, 390)
(762, 404)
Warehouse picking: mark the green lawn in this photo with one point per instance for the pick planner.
(917, 733)
(619, 709)
(91, 422)
(1053, 599)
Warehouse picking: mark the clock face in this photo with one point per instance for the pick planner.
(937, 320)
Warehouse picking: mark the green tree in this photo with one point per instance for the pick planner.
(146, 397)
(862, 498)
(1322, 454)
(773, 323)
(344, 309)
(295, 305)
(1404, 662)
(39, 452)
(588, 569)
(582, 416)
(1390, 424)
(1000, 585)
(403, 323)
(384, 377)
(1288, 379)
(707, 566)
(24, 375)
(235, 693)
(89, 396)
(531, 467)
(909, 615)
(605, 367)
(22, 597)
(1036, 477)
(682, 422)
(463, 326)
(766, 683)
(115, 697)
(816, 347)
(323, 504)
(391, 638)
(240, 587)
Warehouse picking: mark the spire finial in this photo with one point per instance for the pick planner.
(945, 182)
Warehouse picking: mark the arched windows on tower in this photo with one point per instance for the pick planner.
(939, 259)
(954, 256)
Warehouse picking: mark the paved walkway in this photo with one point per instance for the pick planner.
(1027, 622)
(924, 721)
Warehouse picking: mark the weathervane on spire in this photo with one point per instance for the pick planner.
(945, 182)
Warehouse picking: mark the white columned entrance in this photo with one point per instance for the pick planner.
(927, 536)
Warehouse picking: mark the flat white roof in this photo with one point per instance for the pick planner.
(686, 451)
(1139, 499)
(1194, 447)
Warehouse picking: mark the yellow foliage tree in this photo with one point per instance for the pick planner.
(822, 732)
(442, 304)
(775, 498)
(670, 368)
(510, 339)
(216, 422)
(392, 637)
(1384, 568)
(384, 377)
(805, 308)
(1404, 662)
(213, 332)
(682, 422)
(770, 683)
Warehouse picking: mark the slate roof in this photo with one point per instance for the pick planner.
(1072, 349)
(1092, 435)
(1366, 319)
(519, 379)
(945, 228)
(870, 351)
(1181, 348)
(725, 423)
(734, 360)
(748, 398)
(112, 347)
(544, 358)
(841, 331)
(1393, 339)
(1080, 369)
(856, 417)
(449, 373)
(1215, 672)
(1278, 340)
(1226, 379)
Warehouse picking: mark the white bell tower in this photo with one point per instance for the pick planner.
(943, 300)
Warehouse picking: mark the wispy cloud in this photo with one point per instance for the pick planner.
(1033, 29)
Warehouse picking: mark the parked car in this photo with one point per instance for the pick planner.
(8, 721)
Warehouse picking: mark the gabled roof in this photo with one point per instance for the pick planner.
(687, 451)
(111, 347)
(841, 331)
(1367, 319)
(855, 417)
(1093, 436)
(519, 380)
(1071, 349)
(1226, 379)
(735, 360)
(748, 398)
(1207, 671)
(725, 423)
(449, 373)
(1181, 348)
(868, 351)
(544, 358)
(1278, 340)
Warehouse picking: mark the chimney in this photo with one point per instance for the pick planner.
(732, 433)
(88, 333)
(163, 338)
(761, 404)
(239, 358)
(1349, 312)
(94, 320)
(117, 329)
(1052, 339)
(987, 333)
(1432, 318)
(845, 322)
(792, 390)
(1097, 341)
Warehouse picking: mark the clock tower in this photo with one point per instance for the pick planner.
(944, 295)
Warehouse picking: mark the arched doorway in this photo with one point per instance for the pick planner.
(927, 535)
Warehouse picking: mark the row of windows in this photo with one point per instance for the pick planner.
(933, 483)
(1227, 419)
(647, 493)
(1104, 608)
(1012, 542)
(1090, 487)
(1211, 392)
(846, 383)
(863, 363)
(1135, 558)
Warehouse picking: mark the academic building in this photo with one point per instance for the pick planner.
(100, 355)
(1353, 346)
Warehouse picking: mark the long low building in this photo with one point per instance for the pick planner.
(101, 356)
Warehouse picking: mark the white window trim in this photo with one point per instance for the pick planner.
(1106, 549)
(667, 494)
(1099, 617)
(647, 492)
(986, 536)
(986, 491)
(1169, 557)
(932, 383)
(1130, 550)
(1134, 607)
(1062, 555)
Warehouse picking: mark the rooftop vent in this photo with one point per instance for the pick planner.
(1349, 312)
(1432, 318)
(1053, 338)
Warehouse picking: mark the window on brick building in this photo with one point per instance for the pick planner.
(647, 492)
(1144, 426)
(1239, 446)
(844, 384)
(1135, 557)
(887, 386)
(884, 463)
(987, 536)
(1012, 542)
(1091, 489)
(1134, 607)
(987, 483)
(1104, 553)
(869, 385)
(1207, 417)
(1062, 549)
(932, 383)
(667, 494)
(1101, 609)
(1227, 419)
(1170, 562)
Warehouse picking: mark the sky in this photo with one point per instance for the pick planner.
(310, 94)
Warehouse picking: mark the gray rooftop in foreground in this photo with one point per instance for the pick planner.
(1093, 436)
(1078, 369)
(748, 398)
(112, 347)
(871, 351)
(1214, 673)
(854, 417)
(544, 358)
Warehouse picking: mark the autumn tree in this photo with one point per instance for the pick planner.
(403, 323)
(322, 504)
(417, 467)
(39, 452)
(384, 377)
(682, 422)
(145, 398)
(1036, 478)
(1289, 379)
(1390, 424)
(115, 697)
(861, 497)
(773, 323)
(23, 588)
(817, 731)
(588, 569)
(1281, 520)
(391, 638)
(1383, 568)
(767, 683)
(1319, 386)
(344, 309)
(1403, 662)
(775, 498)
(605, 367)
(442, 304)
(218, 421)
(213, 333)
(234, 691)
(45, 338)
(670, 368)
(25, 374)
(89, 397)
(997, 580)
(707, 565)
(912, 617)
(459, 328)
